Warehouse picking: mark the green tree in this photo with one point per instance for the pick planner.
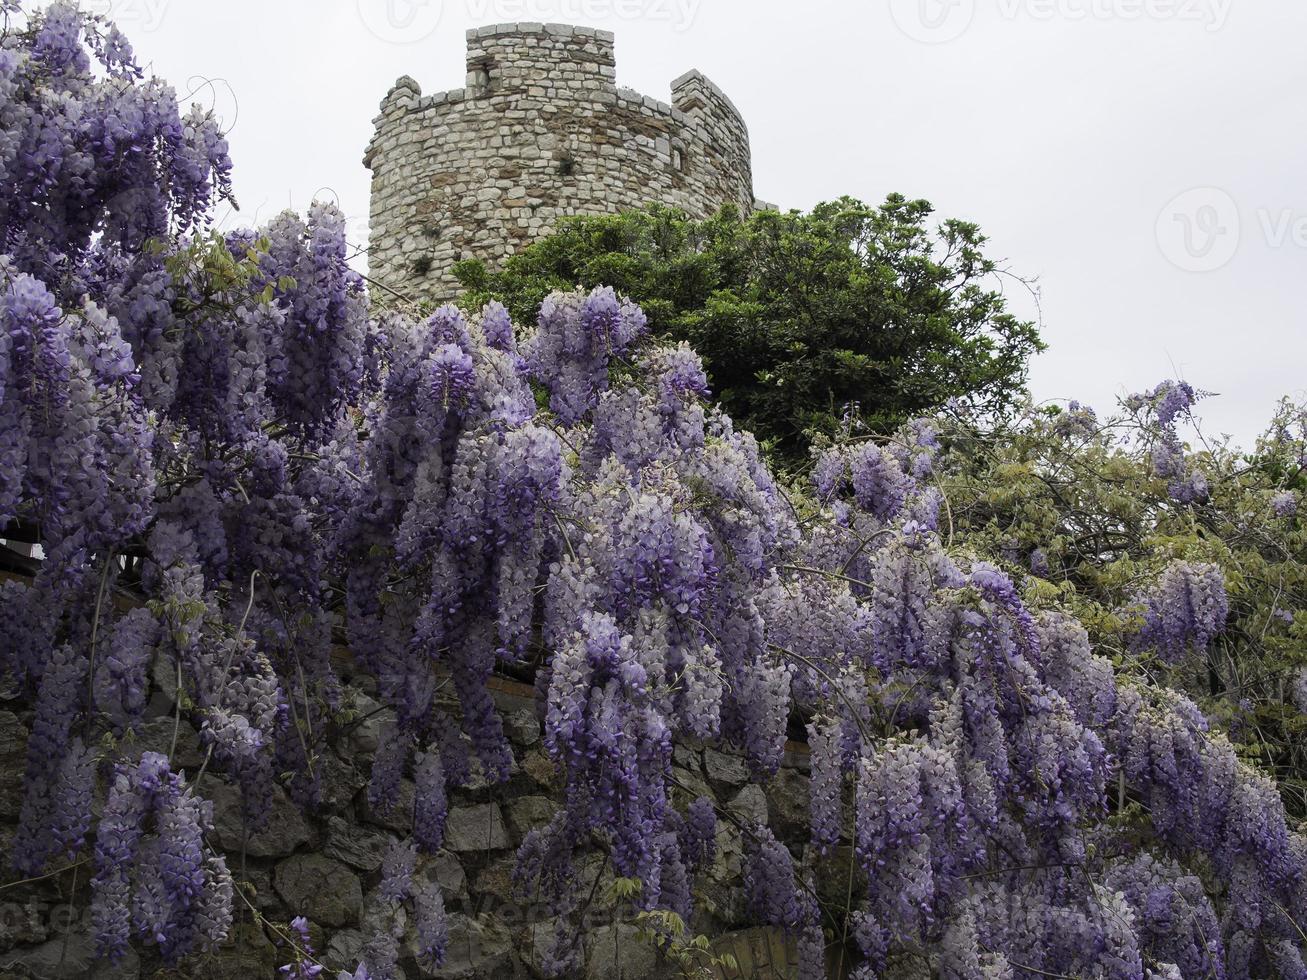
(798, 317)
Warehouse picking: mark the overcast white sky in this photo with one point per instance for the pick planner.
(1143, 159)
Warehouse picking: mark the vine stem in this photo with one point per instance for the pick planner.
(49, 874)
(226, 670)
(862, 546)
(177, 711)
(95, 629)
(820, 571)
(261, 920)
(68, 934)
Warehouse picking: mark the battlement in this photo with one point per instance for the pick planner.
(568, 33)
(509, 57)
(695, 94)
(539, 131)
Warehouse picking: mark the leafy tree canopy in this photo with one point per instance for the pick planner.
(799, 318)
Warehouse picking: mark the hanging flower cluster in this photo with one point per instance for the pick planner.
(1185, 611)
(1164, 406)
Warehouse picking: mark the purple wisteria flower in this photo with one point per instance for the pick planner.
(1285, 503)
(1186, 610)
(304, 967)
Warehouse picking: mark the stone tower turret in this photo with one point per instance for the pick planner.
(539, 131)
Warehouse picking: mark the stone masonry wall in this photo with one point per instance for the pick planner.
(325, 864)
(539, 131)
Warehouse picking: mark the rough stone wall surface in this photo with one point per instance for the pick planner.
(540, 131)
(325, 864)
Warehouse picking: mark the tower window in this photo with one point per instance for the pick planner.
(481, 77)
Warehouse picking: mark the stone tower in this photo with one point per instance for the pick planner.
(540, 131)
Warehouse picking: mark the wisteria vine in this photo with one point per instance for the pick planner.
(229, 463)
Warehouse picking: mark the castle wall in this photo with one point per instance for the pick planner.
(325, 862)
(540, 131)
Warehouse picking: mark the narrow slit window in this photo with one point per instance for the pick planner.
(481, 77)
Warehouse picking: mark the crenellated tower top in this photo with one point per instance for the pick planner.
(539, 131)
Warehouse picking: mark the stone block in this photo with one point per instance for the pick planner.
(320, 888)
(723, 770)
(445, 870)
(476, 828)
(496, 881)
(156, 735)
(247, 953)
(616, 952)
(13, 760)
(398, 817)
(749, 806)
(357, 845)
(284, 831)
(528, 812)
(787, 804)
(70, 956)
(479, 949)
